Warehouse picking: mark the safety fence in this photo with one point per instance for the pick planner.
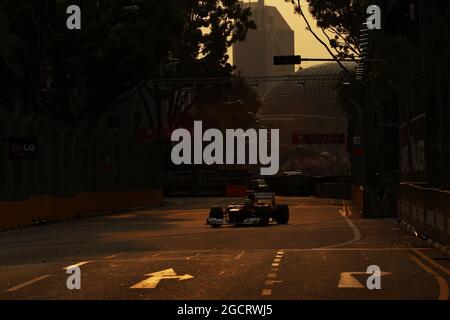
(53, 172)
(427, 210)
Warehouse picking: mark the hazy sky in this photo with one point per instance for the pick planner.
(305, 43)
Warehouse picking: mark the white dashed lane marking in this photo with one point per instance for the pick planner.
(273, 274)
(266, 292)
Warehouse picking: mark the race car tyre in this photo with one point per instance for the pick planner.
(282, 214)
(216, 213)
(264, 214)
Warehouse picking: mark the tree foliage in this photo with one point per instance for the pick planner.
(77, 75)
(340, 22)
(231, 106)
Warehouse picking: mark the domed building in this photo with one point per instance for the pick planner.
(312, 126)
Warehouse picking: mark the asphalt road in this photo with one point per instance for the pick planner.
(169, 253)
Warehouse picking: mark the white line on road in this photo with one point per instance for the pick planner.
(443, 286)
(112, 256)
(25, 284)
(239, 255)
(266, 292)
(272, 282)
(79, 264)
(273, 273)
(355, 230)
(432, 262)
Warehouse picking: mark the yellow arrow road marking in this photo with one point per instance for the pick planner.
(348, 280)
(156, 277)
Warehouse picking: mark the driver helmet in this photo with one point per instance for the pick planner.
(248, 202)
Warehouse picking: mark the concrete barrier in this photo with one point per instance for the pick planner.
(18, 214)
(427, 210)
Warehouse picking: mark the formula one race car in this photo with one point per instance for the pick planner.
(258, 209)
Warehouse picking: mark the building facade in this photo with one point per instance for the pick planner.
(403, 160)
(273, 36)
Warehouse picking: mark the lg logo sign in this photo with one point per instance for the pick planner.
(23, 149)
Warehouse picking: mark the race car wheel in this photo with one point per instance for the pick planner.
(216, 213)
(282, 214)
(264, 214)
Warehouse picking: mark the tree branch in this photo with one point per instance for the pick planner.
(300, 11)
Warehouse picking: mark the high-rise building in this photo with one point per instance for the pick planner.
(273, 36)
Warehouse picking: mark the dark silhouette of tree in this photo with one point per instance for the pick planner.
(75, 76)
(228, 106)
(340, 22)
(210, 29)
(48, 65)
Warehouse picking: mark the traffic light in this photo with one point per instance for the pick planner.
(286, 60)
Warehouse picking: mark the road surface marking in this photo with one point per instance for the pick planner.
(239, 255)
(432, 262)
(296, 207)
(25, 284)
(273, 273)
(355, 230)
(347, 280)
(443, 286)
(112, 256)
(266, 292)
(79, 264)
(272, 282)
(193, 256)
(155, 277)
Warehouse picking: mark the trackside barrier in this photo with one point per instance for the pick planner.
(72, 171)
(427, 210)
(19, 214)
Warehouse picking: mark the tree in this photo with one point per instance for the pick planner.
(210, 29)
(228, 106)
(77, 75)
(340, 22)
